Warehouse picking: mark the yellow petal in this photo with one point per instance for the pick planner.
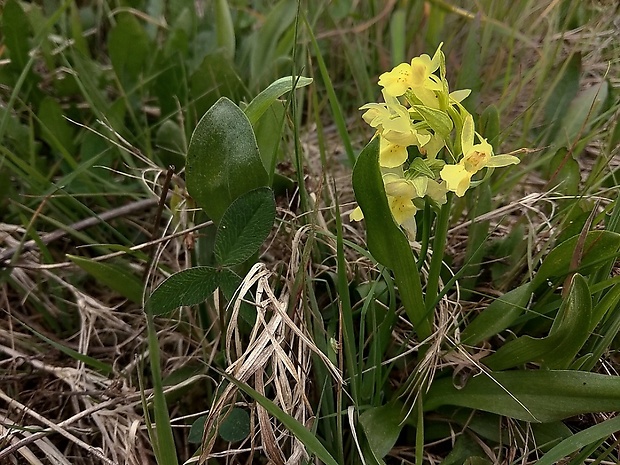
(502, 160)
(457, 178)
(459, 95)
(467, 134)
(391, 155)
(437, 191)
(402, 209)
(396, 82)
(398, 186)
(356, 214)
(478, 157)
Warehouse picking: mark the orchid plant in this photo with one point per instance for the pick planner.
(427, 140)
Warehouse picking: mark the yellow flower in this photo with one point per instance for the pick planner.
(403, 210)
(391, 155)
(475, 157)
(437, 191)
(356, 214)
(417, 75)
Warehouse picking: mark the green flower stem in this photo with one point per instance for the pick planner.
(426, 233)
(439, 244)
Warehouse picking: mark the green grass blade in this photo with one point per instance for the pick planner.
(581, 439)
(348, 329)
(162, 432)
(333, 99)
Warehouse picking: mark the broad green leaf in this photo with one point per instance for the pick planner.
(307, 438)
(600, 246)
(235, 426)
(547, 435)
(382, 426)
(215, 77)
(530, 395)
(187, 287)
(55, 129)
(129, 48)
(564, 172)
(581, 439)
(264, 45)
(465, 447)
(267, 97)
(386, 241)
(223, 160)
(581, 113)
(499, 315)
(564, 91)
(438, 120)
(479, 201)
(568, 334)
(16, 31)
(268, 131)
(115, 276)
(196, 430)
(471, 69)
(244, 226)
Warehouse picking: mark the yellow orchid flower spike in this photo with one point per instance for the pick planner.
(475, 157)
(417, 76)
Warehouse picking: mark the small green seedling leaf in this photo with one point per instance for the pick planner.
(599, 247)
(244, 226)
(113, 275)
(235, 426)
(382, 426)
(223, 162)
(273, 92)
(187, 287)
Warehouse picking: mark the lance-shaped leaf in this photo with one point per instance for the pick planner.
(223, 161)
(599, 247)
(569, 332)
(386, 241)
(530, 395)
(274, 91)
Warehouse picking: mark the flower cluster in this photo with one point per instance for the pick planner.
(419, 120)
